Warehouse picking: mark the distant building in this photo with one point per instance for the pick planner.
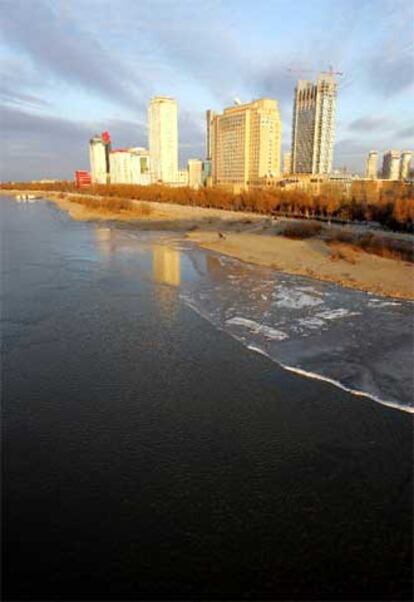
(391, 165)
(82, 178)
(207, 173)
(209, 123)
(405, 165)
(129, 166)
(313, 128)
(99, 149)
(245, 143)
(372, 165)
(181, 178)
(195, 173)
(287, 163)
(163, 139)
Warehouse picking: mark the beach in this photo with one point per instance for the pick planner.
(256, 239)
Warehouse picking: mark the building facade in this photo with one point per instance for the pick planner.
(209, 125)
(287, 163)
(313, 127)
(372, 165)
(163, 139)
(129, 166)
(99, 149)
(195, 173)
(391, 165)
(405, 165)
(245, 144)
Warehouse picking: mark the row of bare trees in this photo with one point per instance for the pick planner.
(391, 206)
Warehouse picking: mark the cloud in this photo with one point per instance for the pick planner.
(406, 132)
(38, 146)
(191, 136)
(390, 70)
(371, 124)
(17, 84)
(55, 45)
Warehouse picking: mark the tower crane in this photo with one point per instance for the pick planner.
(330, 71)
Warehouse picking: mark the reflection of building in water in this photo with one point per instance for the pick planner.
(166, 265)
(105, 241)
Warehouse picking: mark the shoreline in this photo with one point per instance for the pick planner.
(254, 239)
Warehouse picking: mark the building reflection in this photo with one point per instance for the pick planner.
(166, 265)
(105, 241)
(166, 269)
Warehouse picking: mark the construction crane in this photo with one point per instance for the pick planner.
(330, 71)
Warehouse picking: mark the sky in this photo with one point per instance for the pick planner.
(73, 68)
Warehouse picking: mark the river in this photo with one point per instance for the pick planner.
(154, 447)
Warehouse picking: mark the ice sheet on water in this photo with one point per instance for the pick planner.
(358, 341)
(267, 331)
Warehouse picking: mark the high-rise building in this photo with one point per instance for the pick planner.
(99, 149)
(246, 143)
(287, 163)
(209, 123)
(372, 165)
(405, 164)
(163, 138)
(313, 128)
(195, 173)
(391, 165)
(129, 166)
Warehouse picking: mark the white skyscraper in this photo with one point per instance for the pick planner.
(99, 149)
(313, 128)
(163, 139)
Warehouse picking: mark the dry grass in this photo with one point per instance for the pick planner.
(113, 204)
(143, 209)
(343, 252)
(376, 244)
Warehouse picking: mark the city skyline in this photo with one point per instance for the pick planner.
(101, 73)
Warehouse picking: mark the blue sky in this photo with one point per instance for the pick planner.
(71, 68)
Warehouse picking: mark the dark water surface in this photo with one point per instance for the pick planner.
(147, 454)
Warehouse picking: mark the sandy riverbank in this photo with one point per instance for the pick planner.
(254, 239)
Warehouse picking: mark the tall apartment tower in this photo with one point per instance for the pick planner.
(372, 165)
(391, 165)
(209, 124)
(163, 138)
(246, 143)
(99, 149)
(405, 164)
(313, 128)
(287, 163)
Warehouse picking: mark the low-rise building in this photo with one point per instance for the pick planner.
(82, 178)
(195, 173)
(130, 166)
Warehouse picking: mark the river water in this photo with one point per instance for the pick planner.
(155, 448)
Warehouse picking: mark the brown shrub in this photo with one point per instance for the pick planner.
(383, 246)
(142, 209)
(301, 229)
